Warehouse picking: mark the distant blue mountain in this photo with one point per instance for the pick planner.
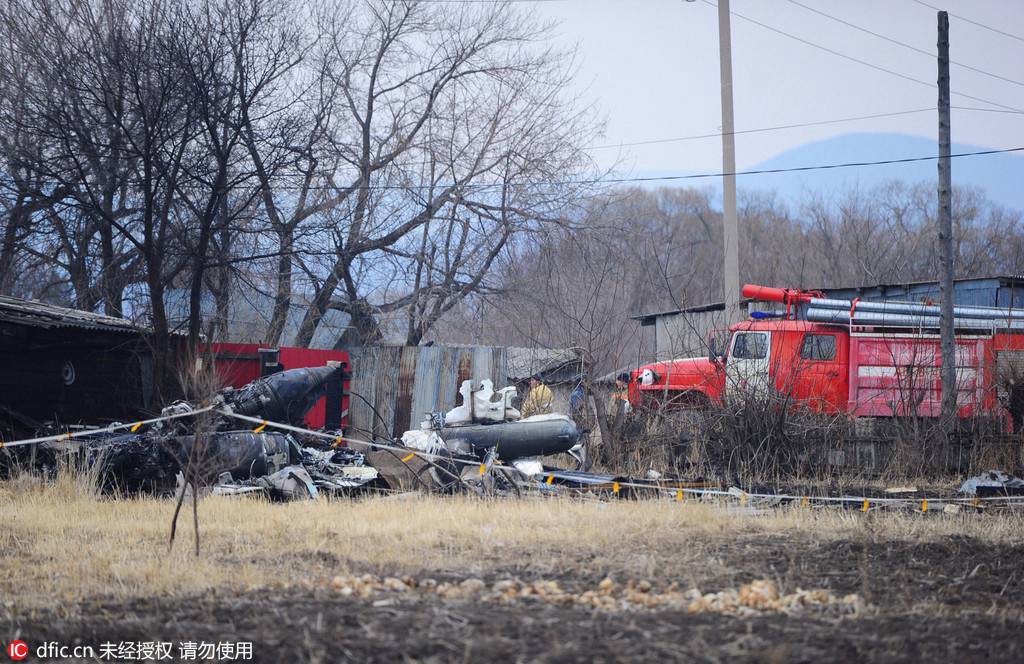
(1000, 175)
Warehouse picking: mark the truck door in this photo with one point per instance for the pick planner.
(823, 372)
(746, 369)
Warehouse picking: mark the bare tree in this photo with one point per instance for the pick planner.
(449, 116)
(418, 166)
(235, 54)
(108, 103)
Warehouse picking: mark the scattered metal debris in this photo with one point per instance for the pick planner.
(482, 424)
(483, 446)
(486, 429)
(210, 451)
(993, 483)
(475, 437)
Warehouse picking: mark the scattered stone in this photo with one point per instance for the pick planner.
(759, 596)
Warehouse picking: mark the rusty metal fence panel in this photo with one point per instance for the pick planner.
(426, 389)
(393, 387)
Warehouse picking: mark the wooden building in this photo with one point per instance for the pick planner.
(60, 365)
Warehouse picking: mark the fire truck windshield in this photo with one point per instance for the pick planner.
(750, 346)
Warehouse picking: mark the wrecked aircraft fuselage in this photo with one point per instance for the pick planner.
(285, 396)
(151, 462)
(483, 427)
(540, 435)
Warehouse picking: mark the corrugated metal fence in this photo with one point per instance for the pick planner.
(394, 386)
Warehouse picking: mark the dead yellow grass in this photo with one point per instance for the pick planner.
(63, 544)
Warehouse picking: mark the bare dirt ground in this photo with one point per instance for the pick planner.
(456, 580)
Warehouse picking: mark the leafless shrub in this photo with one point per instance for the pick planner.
(759, 437)
(199, 382)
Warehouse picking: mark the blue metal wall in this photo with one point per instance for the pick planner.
(989, 292)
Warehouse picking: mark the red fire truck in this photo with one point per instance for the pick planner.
(855, 358)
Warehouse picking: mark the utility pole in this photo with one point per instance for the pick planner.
(730, 226)
(945, 221)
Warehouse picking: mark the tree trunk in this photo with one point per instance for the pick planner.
(222, 292)
(364, 328)
(17, 220)
(283, 297)
(110, 290)
(160, 340)
(414, 337)
(195, 296)
(318, 307)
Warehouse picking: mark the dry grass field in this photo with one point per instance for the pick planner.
(458, 579)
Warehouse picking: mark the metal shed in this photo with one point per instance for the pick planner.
(69, 366)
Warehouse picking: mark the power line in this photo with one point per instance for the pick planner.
(967, 20)
(822, 167)
(858, 60)
(763, 129)
(655, 141)
(669, 178)
(903, 44)
(986, 110)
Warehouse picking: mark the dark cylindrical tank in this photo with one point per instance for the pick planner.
(286, 396)
(514, 440)
(149, 462)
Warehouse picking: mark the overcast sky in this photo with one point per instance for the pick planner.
(651, 66)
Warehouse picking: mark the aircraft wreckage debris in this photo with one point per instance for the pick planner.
(210, 451)
(481, 446)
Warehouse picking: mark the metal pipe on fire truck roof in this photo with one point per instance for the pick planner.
(792, 297)
(784, 295)
(892, 319)
(912, 308)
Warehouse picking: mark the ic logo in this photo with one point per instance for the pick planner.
(17, 650)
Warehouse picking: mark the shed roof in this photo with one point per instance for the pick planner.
(648, 319)
(1008, 279)
(524, 362)
(43, 315)
(1012, 280)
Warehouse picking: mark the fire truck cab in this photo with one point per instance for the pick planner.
(806, 361)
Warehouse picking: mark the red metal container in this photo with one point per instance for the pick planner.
(239, 364)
